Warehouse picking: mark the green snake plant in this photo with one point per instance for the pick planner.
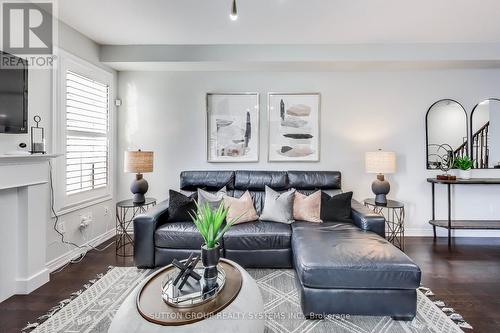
(210, 223)
(463, 163)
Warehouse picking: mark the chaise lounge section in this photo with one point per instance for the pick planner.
(342, 268)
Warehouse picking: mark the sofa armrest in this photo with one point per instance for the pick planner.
(144, 230)
(366, 219)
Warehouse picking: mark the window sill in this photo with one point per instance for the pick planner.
(82, 204)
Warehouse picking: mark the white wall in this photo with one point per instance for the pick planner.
(361, 111)
(40, 103)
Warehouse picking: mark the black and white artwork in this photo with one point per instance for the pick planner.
(233, 127)
(293, 127)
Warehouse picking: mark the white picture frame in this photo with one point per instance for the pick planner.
(233, 128)
(293, 127)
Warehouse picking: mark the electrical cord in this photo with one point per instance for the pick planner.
(56, 217)
(82, 255)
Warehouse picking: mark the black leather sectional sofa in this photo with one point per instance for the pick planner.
(342, 268)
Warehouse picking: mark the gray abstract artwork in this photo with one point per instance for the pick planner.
(294, 127)
(233, 127)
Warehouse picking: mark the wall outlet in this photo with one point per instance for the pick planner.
(61, 227)
(106, 210)
(85, 221)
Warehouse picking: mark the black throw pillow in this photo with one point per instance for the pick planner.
(180, 206)
(336, 208)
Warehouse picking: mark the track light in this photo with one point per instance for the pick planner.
(234, 12)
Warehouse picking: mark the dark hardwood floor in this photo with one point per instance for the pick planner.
(466, 277)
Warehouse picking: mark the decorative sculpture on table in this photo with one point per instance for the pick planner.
(186, 270)
(445, 155)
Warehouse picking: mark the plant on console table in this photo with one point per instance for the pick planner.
(464, 165)
(210, 224)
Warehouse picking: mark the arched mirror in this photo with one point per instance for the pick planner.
(446, 126)
(485, 134)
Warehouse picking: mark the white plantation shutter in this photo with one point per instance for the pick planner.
(87, 130)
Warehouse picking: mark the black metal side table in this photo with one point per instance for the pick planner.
(394, 213)
(126, 210)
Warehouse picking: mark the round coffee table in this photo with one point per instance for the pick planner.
(245, 314)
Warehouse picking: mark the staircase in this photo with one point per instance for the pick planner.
(480, 148)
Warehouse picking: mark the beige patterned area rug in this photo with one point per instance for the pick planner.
(92, 309)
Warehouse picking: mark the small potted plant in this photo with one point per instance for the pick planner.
(210, 224)
(464, 166)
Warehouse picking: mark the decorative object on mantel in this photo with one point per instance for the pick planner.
(138, 162)
(37, 137)
(464, 166)
(380, 162)
(210, 225)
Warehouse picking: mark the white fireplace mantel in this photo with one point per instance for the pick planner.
(24, 214)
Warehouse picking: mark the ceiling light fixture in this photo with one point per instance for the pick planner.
(234, 12)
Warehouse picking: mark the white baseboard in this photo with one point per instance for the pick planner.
(26, 286)
(68, 256)
(441, 232)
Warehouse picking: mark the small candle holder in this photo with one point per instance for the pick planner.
(37, 137)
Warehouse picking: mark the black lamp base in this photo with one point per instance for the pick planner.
(381, 188)
(139, 187)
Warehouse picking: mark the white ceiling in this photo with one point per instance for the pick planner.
(284, 21)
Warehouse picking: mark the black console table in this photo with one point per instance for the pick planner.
(460, 224)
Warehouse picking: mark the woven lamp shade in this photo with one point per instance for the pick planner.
(138, 161)
(382, 162)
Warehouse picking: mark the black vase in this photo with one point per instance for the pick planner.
(210, 259)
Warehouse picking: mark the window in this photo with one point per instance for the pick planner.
(87, 112)
(83, 133)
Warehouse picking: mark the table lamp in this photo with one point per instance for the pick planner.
(380, 162)
(138, 162)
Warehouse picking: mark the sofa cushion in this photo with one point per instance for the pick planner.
(208, 180)
(333, 226)
(178, 235)
(307, 207)
(213, 199)
(337, 207)
(180, 206)
(258, 235)
(257, 198)
(333, 257)
(314, 180)
(278, 207)
(241, 209)
(258, 180)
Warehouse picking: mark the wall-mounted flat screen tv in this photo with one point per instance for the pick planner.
(13, 94)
